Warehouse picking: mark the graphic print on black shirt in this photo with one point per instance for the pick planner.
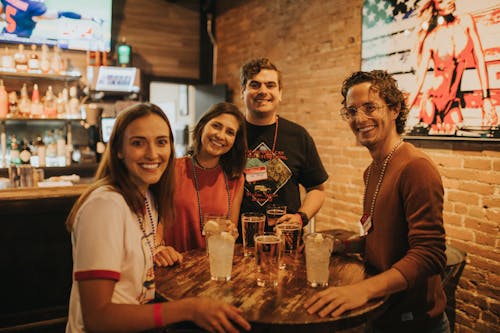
(265, 174)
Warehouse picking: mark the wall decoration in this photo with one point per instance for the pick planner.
(446, 55)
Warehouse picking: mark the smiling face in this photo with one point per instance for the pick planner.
(444, 7)
(262, 95)
(146, 149)
(373, 131)
(218, 136)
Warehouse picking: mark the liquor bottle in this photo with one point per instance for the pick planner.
(49, 105)
(74, 104)
(51, 144)
(24, 104)
(34, 62)
(25, 154)
(4, 101)
(44, 59)
(40, 151)
(14, 150)
(20, 59)
(60, 144)
(124, 53)
(7, 60)
(36, 105)
(56, 64)
(62, 103)
(13, 107)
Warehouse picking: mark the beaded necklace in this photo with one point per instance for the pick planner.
(197, 187)
(380, 178)
(148, 283)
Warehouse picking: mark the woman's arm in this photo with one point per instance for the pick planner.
(101, 315)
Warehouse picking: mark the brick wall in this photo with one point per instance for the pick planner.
(316, 44)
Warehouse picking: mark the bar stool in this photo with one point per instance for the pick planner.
(455, 264)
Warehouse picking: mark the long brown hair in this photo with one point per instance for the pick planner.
(113, 172)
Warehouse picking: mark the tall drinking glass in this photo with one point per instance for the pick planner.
(214, 223)
(267, 255)
(289, 233)
(220, 245)
(251, 224)
(318, 250)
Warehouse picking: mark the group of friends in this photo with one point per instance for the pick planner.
(146, 208)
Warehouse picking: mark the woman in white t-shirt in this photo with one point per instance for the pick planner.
(115, 232)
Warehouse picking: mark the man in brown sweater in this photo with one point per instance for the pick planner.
(403, 238)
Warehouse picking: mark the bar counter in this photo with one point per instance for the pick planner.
(35, 253)
(12, 195)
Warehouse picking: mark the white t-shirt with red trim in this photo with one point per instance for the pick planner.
(108, 243)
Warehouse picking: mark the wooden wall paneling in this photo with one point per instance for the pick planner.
(164, 35)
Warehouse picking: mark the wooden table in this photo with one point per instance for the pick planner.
(268, 309)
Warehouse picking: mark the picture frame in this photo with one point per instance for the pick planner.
(447, 60)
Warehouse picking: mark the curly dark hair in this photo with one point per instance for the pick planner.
(387, 88)
(253, 67)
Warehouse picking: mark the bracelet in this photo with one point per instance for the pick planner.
(303, 218)
(158, 318)
(488, 94)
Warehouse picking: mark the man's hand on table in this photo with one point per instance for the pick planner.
(335, 301)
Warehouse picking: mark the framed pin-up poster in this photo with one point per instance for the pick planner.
(445, 54)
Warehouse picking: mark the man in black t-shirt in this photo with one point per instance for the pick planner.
(281, 153)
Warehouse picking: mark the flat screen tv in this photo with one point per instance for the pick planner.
(69, 24)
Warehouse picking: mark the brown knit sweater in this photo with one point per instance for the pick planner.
(408, 235)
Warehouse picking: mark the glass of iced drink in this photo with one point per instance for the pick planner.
(318, 250)
(251, 224)
(274, 212)
(215, 223)
(267, 259)
(220, 244)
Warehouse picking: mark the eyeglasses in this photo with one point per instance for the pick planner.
(350, 112)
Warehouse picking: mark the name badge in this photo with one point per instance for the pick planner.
(255, 174)
(366, 224)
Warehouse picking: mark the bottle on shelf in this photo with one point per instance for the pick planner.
(13, 108)
(36, 105)
(60, 144)
(20, 59)
(40, 151)
(44, 59)
(62, 103)
(74, 104)
(57, 63)
(124, 53)
(25, 152)
(51, 151)
(14, 150)
(3, 147)
(7, 60)
(4, 101)
(33, 62)
(24, 105)
(49, 104)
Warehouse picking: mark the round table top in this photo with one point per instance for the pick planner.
(276, 309)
